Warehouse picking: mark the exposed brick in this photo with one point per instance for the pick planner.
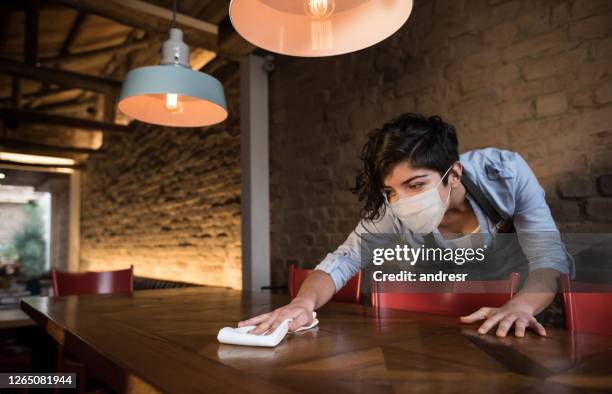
(565, 211)
(583, 98)
(507, 10)
(507, 74)
(602, 161)
(601, 140)
(521, 90)
(536, 46)
(560, 14)
(574, 187)
(599, 209)
(464, 45)
(583, 8)
(534, 20)
(500, 35)
(516, 111)
(603, 94)
(597, 26)
(476, 79)
(411, 83)
(555, 65)
(558, 166)
(485, 58)
(605, 184)
(601, 48)
(551, 104)
(597, 120)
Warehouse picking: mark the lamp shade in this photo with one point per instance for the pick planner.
(173, 95)
(311, 28)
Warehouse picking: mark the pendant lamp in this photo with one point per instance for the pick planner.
(314, 28)
(172, 94)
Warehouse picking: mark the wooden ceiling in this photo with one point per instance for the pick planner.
(62, 62)
(36, 179)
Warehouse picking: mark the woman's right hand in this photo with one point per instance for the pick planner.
(299, 309)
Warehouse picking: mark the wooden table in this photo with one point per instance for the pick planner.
(165, 341)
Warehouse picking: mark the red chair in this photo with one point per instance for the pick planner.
(75, 283)
(349, 293)
(448, 298)
(587, 306)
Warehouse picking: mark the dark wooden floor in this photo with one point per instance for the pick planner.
(165, 341)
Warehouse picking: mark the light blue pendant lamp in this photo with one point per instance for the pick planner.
(172, 94)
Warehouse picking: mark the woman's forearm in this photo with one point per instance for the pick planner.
(316, 290)
(539, 290)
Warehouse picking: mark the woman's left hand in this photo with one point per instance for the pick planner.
(519, 314)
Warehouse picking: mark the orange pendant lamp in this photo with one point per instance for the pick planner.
(314, 28)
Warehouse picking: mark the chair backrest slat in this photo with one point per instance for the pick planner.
(587, 306)
(76, 283)
(441, 299)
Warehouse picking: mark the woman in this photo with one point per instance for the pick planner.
(414, 182)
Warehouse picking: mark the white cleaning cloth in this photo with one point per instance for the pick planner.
(239, 336)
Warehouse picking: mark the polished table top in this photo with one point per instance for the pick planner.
(165, 341)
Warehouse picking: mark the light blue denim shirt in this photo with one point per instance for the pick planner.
(511, 186)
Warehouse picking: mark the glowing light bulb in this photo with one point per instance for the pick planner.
(172, 102)
(321, 34)
(319, 9)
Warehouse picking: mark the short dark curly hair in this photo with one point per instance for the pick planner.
(425, 142)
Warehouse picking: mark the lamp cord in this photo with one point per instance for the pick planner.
(174, 13)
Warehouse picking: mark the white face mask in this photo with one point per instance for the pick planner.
(422, 213)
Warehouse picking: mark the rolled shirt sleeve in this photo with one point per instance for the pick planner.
(536, 229)
(342, 264)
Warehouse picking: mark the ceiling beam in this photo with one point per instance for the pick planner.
(72, 35)
(60, 77)
(120, 49)
(32, 146)
(16, 93)
(34, 117)
(29, 166)
(30, 49)
(212, 11)
(232, 42)
(33, 99)
(151, 18)
(17, 5)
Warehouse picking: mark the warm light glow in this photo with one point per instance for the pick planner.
(199, 57)
(64, 170)
(2, 176)
(321, 36)
(316, 28)
(172, 102)
(319, 9)
(35, 159)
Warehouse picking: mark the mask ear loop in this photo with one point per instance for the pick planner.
(385, 198)
(443, 176)
(448, 198)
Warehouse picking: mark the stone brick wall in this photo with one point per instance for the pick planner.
(527, 75)
(168, 202)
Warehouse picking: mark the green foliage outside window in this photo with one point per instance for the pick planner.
(29, 243)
